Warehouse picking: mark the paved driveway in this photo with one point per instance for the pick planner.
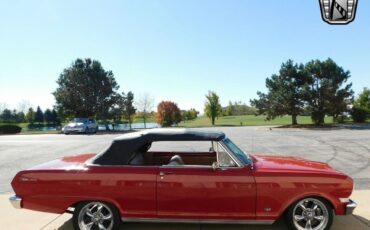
(32, 220)
(344, 149)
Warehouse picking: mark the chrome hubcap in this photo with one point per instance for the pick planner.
(310, 214)
(95, 216)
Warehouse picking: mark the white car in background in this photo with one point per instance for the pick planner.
(81, 125)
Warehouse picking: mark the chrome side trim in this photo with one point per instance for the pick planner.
(197, 221)
(350, 207)
(16, 201)
(186, 166)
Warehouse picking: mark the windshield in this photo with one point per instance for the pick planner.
(80, 120)
(243, 156)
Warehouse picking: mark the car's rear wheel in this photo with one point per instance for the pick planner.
(310, 214)
(96, 215)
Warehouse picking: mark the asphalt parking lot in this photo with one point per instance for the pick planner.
(347, 150)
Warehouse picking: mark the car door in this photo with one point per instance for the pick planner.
(204, 192)
(91, 124)
(132, 187)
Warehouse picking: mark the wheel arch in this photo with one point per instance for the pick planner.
(105, 200)
(292, 201)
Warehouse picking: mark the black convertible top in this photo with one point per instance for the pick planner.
(123, 146)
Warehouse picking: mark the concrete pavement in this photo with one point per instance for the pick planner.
(15, 219)
(347, 150)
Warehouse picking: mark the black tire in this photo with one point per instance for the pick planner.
(87, 130)
(83, 206)
(324, 209)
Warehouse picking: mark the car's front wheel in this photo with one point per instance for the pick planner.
(96, 215)
(310, 214)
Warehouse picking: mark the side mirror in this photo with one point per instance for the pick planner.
(215, 166)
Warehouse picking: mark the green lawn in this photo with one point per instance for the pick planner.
(202, 121)
(148, 119)
(248, 120)
(25, 129)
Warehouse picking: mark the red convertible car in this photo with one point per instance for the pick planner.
(222, 184)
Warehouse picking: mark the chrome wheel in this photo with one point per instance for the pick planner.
(95, 216)
(310, 214)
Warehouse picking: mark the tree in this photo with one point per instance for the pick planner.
(30, 116)
(48, 116)
(285, 94)
(361, 109)
(18, 116)
(116, 111)
(190, 114)
(129, 109)
(168, 113)
(363, 99)
(212, 106)
(359, 114)
(327, 91)
(85, 89)
(6, 116)
(55, 117)
(238, 108)
(230, 110)
(39, 115)
(3, 106)
(144, 105)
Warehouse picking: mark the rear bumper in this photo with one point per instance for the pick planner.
(16, 201)
(351, 205)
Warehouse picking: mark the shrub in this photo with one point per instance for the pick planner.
(340, 119)
(10, 129)
(359, 114)
(318, 117)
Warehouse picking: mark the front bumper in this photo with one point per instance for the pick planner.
(16, 201)
(74, 130)
(351, 205)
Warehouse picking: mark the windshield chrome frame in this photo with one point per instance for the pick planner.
(231, 154)
(234, 156)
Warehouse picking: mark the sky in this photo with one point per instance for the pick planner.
(174, 50)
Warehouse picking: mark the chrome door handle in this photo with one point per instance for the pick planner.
(161, 173)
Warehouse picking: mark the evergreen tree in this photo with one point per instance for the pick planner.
(129, 109)
(30, 116)
(39, 115)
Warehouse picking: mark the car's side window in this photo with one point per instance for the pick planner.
(223, 158)
(183, 153)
